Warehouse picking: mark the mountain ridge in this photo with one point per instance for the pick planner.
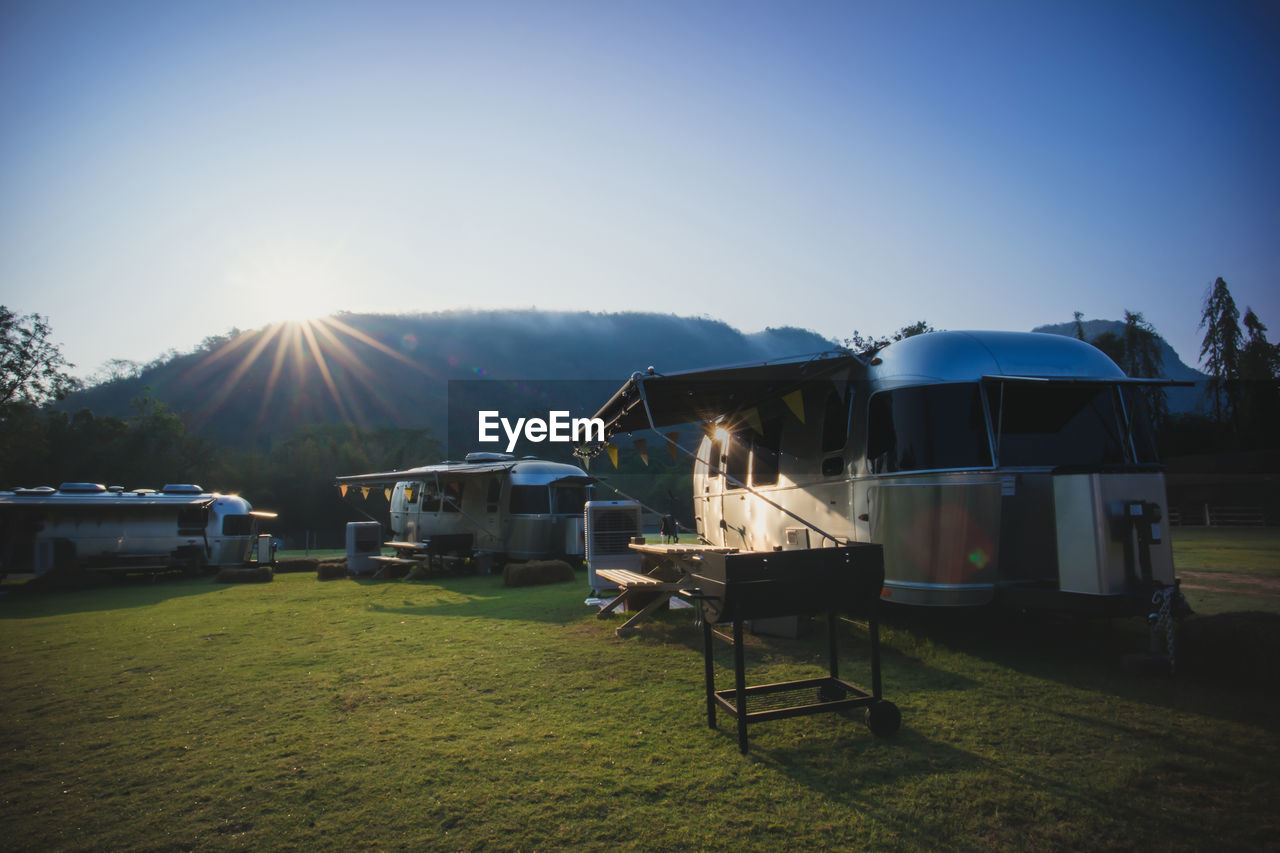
(252, 389)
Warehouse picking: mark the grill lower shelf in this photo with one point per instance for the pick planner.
(795, 698)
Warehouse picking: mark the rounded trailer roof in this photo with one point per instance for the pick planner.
(536, 472)
(969, 356)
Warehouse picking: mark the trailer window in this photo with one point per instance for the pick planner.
(835, 423)
(568, 500)
(735, 460)
(530, 500)
(191, 520)
(927, 428)
(1053, 424)
(237, 525)
(713, 458)
(495, 493)
(451, 500)
(764, 454)
(430, 497)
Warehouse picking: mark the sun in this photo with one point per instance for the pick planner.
(292, 348)
(291, 283)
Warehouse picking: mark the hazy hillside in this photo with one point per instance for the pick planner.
(1180, 399)
(395, 369)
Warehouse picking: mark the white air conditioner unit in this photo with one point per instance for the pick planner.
(364, 542)
(610, 527)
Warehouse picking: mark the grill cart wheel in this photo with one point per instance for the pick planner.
(883, 718)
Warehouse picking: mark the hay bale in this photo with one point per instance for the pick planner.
(1242, 648)
(298, 564)
(327, 570)
(536, 572)
(245, 574)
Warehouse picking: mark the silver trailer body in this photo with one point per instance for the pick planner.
(514, 509)
(990, 465)
(88, 527)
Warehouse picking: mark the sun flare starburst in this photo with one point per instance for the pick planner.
(343, 358)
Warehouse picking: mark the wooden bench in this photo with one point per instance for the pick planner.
(635, 585)
(395, 561)
(625, 577)
(389, 566)
(430, 553)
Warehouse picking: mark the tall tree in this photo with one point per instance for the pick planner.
(1220, 350)
(1079, 315)
(32, 372)
(32, 369)
(1111, 344)
(1259, 385)
(1142, 359)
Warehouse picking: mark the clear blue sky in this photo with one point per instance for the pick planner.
(169, 170)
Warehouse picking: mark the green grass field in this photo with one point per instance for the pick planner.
(461, 715)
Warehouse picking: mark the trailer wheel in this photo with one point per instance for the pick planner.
(883, 718)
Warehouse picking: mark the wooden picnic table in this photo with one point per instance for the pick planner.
(419, 554)
(662, 574)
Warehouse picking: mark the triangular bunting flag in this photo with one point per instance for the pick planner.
(612, 450)
(364, 492)
(642, 447)
(795, 402)
(342, 490)
(671, 445)
(387, 493)
(753, 421)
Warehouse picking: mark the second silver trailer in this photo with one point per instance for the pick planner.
(508, 508)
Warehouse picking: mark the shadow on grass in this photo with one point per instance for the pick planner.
(1089, 654)
(34, 599)
(871, 776)
(858, 777)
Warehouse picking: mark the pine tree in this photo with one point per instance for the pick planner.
(1259, 388)
(1142, 358)
(1220, 350)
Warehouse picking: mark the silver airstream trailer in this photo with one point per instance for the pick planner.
(89, 527)
(991, 466)
(511, 509)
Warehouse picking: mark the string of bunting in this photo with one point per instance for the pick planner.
(364, 491)
(589, 450)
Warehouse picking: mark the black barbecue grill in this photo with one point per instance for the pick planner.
(759, 585)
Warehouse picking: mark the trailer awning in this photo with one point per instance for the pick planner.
(703, 395)
(426, 472)
(1092, 380)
